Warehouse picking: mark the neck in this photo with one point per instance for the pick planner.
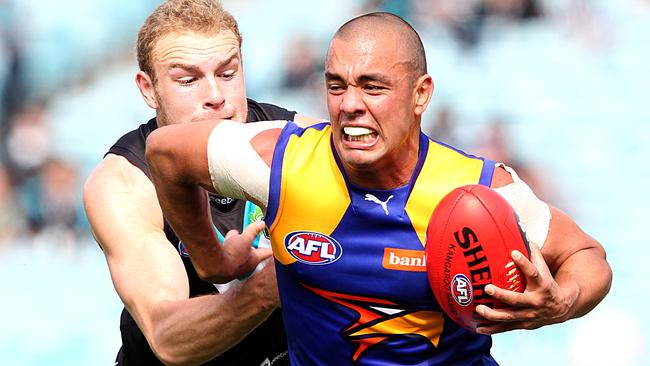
(393, 171)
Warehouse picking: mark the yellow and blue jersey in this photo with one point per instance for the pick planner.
(350, 261)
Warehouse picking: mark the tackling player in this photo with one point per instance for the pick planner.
(189, 52)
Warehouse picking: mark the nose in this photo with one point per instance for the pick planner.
(214, 97)
(352, 101)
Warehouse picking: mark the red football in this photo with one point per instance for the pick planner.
(470, 237)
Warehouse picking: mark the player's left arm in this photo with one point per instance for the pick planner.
(566, 278)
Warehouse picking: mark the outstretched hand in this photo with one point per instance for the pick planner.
(543, 302)
(238, 255)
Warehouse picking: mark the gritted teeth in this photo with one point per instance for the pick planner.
(359, 134)
(357, 131)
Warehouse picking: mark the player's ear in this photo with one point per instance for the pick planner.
(423, 93)
(145, 84)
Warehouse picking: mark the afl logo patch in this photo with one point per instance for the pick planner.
(461, 289)
(312, 248)
(182, 250)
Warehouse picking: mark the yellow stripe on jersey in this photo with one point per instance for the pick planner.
(444, 169)
(311, 181)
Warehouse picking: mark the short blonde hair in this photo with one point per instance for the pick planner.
(178, 16)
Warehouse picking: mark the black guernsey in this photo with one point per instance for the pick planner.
(266, 345)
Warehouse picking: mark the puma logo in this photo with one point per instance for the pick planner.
(383, 204)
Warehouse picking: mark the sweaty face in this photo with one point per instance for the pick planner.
(370, 99)
(199, 77)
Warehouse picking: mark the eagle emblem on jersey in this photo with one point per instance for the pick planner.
(381, 320)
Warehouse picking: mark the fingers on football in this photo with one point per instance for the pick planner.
(512, 298)
(535, 253)
(527, 267)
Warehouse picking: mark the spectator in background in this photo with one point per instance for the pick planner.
(13, 91)
(12, 222)
(467, 20)
(517, 10)
(301, 63)
(443, 126)
(401, 8)
(497, 143)
(28, 142)
(46, 185)
(52, 196)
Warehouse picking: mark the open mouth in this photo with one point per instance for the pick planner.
(359, 134)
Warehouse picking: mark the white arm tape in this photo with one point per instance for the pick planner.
(236, 169)
(534, 214)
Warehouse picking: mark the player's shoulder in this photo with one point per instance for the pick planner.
(133, 142)
(113, 174)
(261, 111)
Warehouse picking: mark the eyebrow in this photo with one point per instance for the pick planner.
(366, 78)
(332, 76)
(193, 68)
(373, 77)
(185, 67)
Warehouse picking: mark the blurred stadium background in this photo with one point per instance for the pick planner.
(557, 88)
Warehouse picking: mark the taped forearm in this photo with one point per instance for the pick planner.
(235, 167)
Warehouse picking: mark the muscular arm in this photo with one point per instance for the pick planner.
(578, 263)
(150, 278)
(566, 279)
(178, 159)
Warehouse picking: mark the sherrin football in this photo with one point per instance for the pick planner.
(470, 237)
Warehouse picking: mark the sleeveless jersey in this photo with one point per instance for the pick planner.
(350, 261)
(266, 345)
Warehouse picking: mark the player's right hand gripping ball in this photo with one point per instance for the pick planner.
(470, 237)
